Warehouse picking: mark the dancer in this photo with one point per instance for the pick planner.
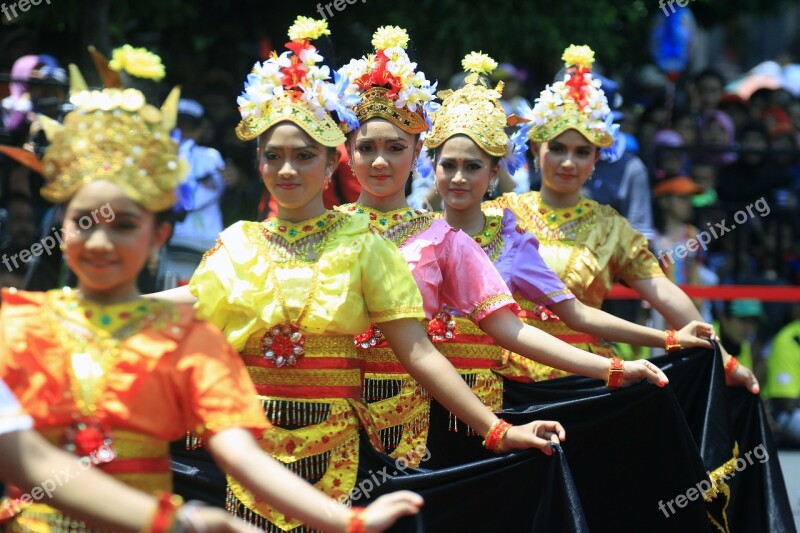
(588, 245)
(470, 145)
(453, 274)
(114, 377)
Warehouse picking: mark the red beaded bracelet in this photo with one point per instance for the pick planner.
(671, 344)
(166, 512)
(495, 436)
(731, 365)
(356, 522)
(616, 371)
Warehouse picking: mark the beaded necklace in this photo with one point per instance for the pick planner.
(284, 344)
(91, 335)
(397, 225)
(489, 237)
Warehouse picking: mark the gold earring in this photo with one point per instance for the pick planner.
(536, 164)
(152, 263)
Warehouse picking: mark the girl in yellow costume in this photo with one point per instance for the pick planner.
(470, 145)
(113, 377)
(453, 274)
(290, 292)
(589, 246)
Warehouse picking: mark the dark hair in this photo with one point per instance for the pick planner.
(493, 159)
(710, 73)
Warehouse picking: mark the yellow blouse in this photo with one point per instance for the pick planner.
(331, 277)
(590, 247)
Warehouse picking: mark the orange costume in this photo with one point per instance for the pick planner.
(116, 383)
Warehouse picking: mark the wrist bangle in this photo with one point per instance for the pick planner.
(163, 520)
(355, 524)
(670, 341)
(495, 435)
(616, 371)
(730, 366)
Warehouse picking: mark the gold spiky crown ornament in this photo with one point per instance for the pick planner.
(115, 135)
(473, 110)
(576, 103)
(294, 88)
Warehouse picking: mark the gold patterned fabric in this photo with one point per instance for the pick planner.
(314, 404)
(145, 372)
(589, 246)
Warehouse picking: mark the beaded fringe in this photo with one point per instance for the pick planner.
(238, 509)
(391, 436)
(292, 414)
(380, 389)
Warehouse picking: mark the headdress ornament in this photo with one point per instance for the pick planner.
(294, 88)
(113, 135)
(576, 103)
(388, 84)
(475, 110)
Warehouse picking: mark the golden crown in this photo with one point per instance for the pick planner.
(473, 110)
(114, 135)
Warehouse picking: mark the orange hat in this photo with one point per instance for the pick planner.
(679, 185)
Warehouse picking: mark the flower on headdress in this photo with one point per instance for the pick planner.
(306, 28)
(579, 56)
(479, 63)
(137, 62)
(296, 73)
(390, 37)
(517, 146)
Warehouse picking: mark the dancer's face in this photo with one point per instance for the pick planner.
(463, 172)
(567, 162)
(382, 155)
(108, 240)
(293, 167)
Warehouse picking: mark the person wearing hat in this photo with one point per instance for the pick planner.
(738, 325)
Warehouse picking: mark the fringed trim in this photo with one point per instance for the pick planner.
(488, 387)
(292, 414)
(238, 509)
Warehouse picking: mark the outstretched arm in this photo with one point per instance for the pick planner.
(585, 319)
(28, 461)
(511, 333)
(178, 295)
(292, 495)
(679, 310)
(434, 372)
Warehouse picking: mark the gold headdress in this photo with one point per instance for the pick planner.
(293, 88)
(576, 103)
(473, 110)
(113, 135)
(389, 85)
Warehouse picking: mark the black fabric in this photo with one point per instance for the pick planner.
(195, 475)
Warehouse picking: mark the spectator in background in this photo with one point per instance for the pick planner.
(667, 157)
(736, 108)
(201, 192)
(705, 91)
(717, 132)
(620, 177)
(738, 326)
(782, 384)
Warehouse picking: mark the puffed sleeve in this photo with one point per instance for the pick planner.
(471, 283)
(532, 278)
(12, 417)
(633, 258)
(213, 381)
(389, 289)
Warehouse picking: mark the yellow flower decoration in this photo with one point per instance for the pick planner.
(138, 62)
(389, 37)
(580, 56)
(308, 28)
(479, 63)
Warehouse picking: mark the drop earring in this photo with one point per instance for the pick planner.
(326, 183)
(152, 263)
(493, 186)
(536, 164)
